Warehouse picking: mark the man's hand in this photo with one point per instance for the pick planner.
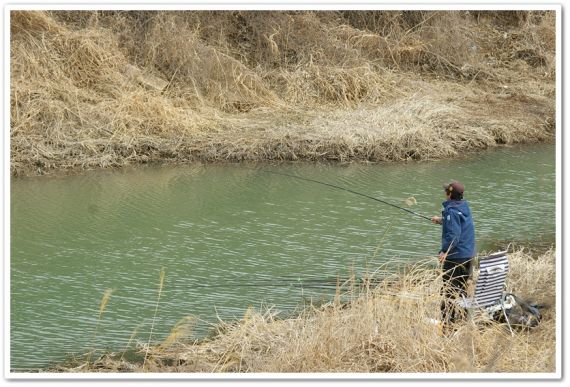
(442, 257)
(436, 219)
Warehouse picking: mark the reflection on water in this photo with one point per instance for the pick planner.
(231, 237)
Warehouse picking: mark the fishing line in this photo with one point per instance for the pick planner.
(281, 284)
(348, 190)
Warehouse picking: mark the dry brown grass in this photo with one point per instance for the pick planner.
(384, 329)
(276, 85)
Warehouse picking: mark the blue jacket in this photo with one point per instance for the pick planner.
(458, 231)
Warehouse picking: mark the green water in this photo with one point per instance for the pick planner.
(231, 237)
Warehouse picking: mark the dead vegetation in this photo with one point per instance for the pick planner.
(384, 329)
(110, 88)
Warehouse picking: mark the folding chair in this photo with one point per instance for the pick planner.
(490, 300)
(489, 295)
(493, 301)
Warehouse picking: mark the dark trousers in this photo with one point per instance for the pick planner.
(455, 276)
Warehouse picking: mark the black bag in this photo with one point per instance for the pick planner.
(518, 313)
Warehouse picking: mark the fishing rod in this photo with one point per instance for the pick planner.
(348, 190)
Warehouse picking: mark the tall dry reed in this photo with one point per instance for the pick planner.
(159, 293)
(112, 88)
(385, 328)
(102, 306)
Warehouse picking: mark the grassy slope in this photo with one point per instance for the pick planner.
(274, 85)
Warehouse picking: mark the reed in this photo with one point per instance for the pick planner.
(133, 335)
(380, 329)
(384, 330)
(96, 89)
(102, 306)
(160, 287)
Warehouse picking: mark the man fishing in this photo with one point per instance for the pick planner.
(457, 248)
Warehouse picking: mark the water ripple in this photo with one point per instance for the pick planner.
(230, 237)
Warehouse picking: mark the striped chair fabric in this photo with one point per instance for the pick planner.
(493, 271)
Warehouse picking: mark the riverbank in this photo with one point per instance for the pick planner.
(384, 329)
(108, 89)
